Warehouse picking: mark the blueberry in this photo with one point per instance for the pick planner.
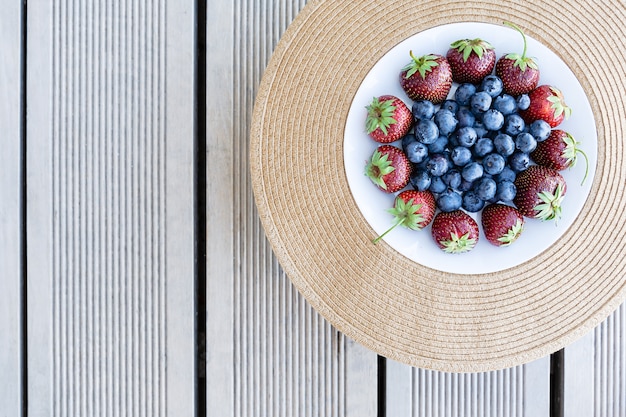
(472, 171)
(449, 200)
(505, 104)
(504, 144)
(493, 163)
(438, 145)
(437, 165)
(461, 156)
(540, 129)
(451, 105)
(472, 203)
(483, 147)
(406, 139)
(505, 191)
(416, 152)
(485, 189)
(523, 102)
(423, 110)
(465, 117)
(446, 122)
(480, 129)
(463, 93)
(493, 119)
(513, 124)
(507, 174)
(466, 136)
(492, 85)
(452, 179)
(465, 185)
(519, 161)
(420, 180)
(525, 142)
(426, 131)
(437, 185)
(480, 102)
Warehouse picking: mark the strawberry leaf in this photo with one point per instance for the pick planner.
(458, 244)
(570, 154)
(550, 206)
(377, 167)
(512, 234)
(422, 65)
(405, 214)
(380, 115)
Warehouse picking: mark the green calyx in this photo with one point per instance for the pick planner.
(570, 154)
(467, 46)
(512, 234)
(558, 103)
(422, 65)
(458, 244)
(521, 61)
(380, 115)
(550, 206)
(406, 214)
(377, 167)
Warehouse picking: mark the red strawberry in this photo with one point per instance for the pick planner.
(455, 231)
(502, 224)
(540, 192)
(389, 168)
(546, 103)
(471, 60)
(427, 78)
(388, 119)
(559, 151)
(412, 209)
(519, 73)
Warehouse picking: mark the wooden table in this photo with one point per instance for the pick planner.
(135, 273)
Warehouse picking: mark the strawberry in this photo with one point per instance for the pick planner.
(412, 209)
(471, 60)
(388, 119)
(427, 78)
(502, 224)
(455, 231)
(519, 73)
(559, 151)
(546, 103)
(389, 168)
(540, 192)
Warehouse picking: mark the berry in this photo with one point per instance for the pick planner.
(446, 122)
(449, 200)
(439, 145)
(465, 117)
(519, 161)
(522, 101)
(507, 174)
(513, 124)
(480, 102)
(437, 185)
(455, 231)
(426, 131)
(493, 119)
(546, 103)
(540, 193)
(387, 119)
(413, 210)
(452, 179)
(461, 156)
(472, 171)
(437, 165)
(504, 144)
(420, 180)
(525, 142)
(492, 85)
(389, 168)
(466, 136)
(493, 163)
(451, 105)
(485, 188)
(519, 73)
(505, 104)
(471, 60)
(540, 129)
(505, 190)
(416, 152)
(463, 93)
(423, 110)
(427, 78)
(482, 147)
(472, 203)
(559, 151)
(502, 224)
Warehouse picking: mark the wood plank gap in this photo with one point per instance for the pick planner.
(557, 378)
(382, 386)
(23, 211)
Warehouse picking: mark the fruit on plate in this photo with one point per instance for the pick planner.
(455, 231)
(519, 73)
(502, 224)
(471, 60)
(388, 119)
(428, 77)
(559, 151)
(540, 192)
(412, 209)
(389, 168)
(546, 103)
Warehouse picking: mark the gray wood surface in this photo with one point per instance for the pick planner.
(110, 208)
(10, 209)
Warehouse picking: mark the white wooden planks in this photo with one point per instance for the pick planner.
(10, 208)
(268, 352)
(110, 208)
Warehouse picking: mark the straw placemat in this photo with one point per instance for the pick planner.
(381, 299)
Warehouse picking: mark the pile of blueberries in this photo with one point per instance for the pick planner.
(468, 150)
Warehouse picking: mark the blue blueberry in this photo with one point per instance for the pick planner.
(505, 191)
(480, 102)
(485, 189)
(472, 203)
(540, 129)
(463, 93)
(519, 161)
(523, 102)
(451, 105)
(437, 185)
(513, 124)
(445, 120)
(406, 139)
(525, 142)
(423, 110)
(492, 85)
(437, 165)
(438, 145)
(483, 146)
(449, 200)
(465, 117)
(493, 119)
(507, 174)
(416, 152)
(452, 179)
(472, 171)
(504, 144)
(466, 136)
(461, 156)
(426, 131)
(494, 163)
(420, 180)
(505, 104)
(480, 129)
(465, 185)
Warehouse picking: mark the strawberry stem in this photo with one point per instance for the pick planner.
(396, 224)
(586, 165)
(514, 26)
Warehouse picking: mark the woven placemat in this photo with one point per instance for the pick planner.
(381, 299)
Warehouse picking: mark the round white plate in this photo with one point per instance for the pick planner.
(419, 246)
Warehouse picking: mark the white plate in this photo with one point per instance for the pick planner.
(419, 246)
